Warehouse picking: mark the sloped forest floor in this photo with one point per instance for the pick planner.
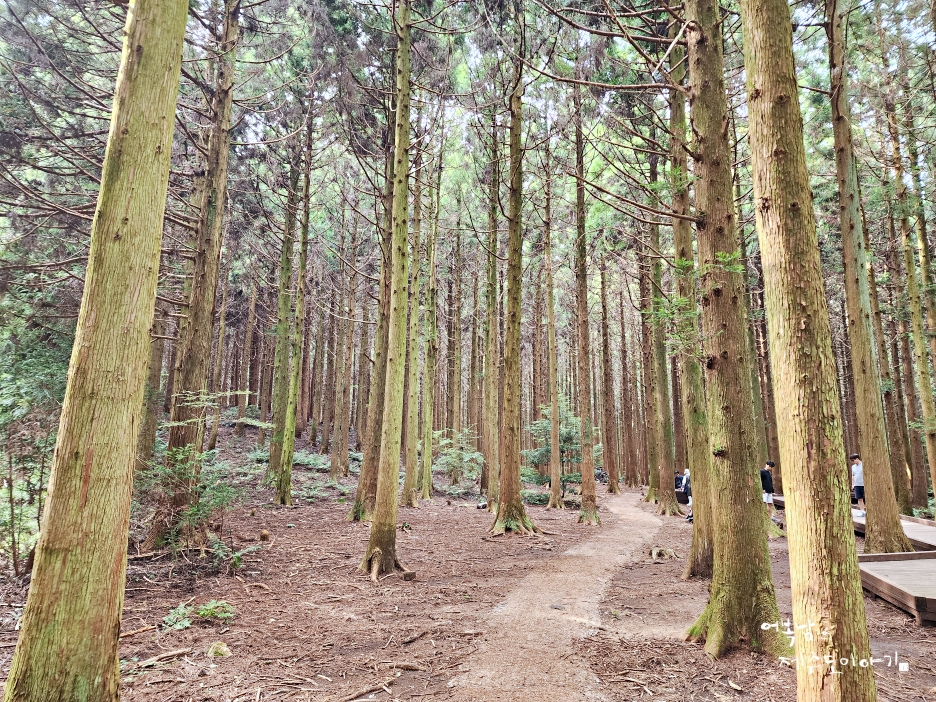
(581, 613)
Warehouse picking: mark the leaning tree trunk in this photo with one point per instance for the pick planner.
(589, 511)
(742, 593)
(511, 514)
(823, 560)
(69, 637)
(187, 416)
(691, 386)
(380, 556)
(884, 532)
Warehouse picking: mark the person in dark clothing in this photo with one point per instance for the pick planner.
(687, 488)
(766, 479)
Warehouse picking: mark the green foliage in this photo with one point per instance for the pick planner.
(315, 461)
(457, 457)
(570, 442)
(210, 482)
(225, 555)
(534, 497)
(179, 618)
(216, 609)
(260, 455)
(528, 475)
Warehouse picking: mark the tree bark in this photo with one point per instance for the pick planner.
(823, 561)
(380, 556)
(555, 465)
(411, 438)
(742, 594)
(69, 636)
(147, 440)
(511, 514)
(491, 427)
(609, 438)
(884, 532)
(243, 381)
(432, 344)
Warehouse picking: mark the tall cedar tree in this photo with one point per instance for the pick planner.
(823, 560)
(884, 532)
(380, 556)
(742, 594)
(691, 387)
(511, 514)
(186, 429)
(68, 641)
(589, 510)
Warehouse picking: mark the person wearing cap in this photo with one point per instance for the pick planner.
(766, 481)
(857, 471)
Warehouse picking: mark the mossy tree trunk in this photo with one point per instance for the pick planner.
(69, 635)
(491, 427)
(147, 440)
(691, 387)
(380, 556)
(281, 333)
(555, 465)
(340, 466)
(432, 344)
(884, 532)
(187, 416)
(511, 514)
(589, 511)
(283, 476)
(742, 594)
(411, 442)
(628, 405)
(216, 375)
(242, 383)
(365, 496)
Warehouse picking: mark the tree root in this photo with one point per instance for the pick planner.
(555, 504)
(652, 495)
(522, 525)
(377, 563)
(669, 508)
(589, 516)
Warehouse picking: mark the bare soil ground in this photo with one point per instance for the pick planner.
(579, 614)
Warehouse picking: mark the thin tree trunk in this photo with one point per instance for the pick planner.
(411, 436)
(243, 381)
(609, 438)
(340, 466)
(491, 426)
(147, 439)
(216, 388)
(282, 333)
(432, 344)
(555, 465)
(331, 371)
(187, 416)
(380, 556)
(364, 368)
(629, 410)
(589, 511)
(315, 383)
(68, 641)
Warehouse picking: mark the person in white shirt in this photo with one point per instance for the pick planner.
(857, 471)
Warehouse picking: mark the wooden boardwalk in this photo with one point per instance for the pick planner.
(906, 580)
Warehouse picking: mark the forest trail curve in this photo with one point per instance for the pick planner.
(530, 634)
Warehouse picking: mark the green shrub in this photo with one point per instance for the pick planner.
(534, 497)
(216, 609)
(179, 618)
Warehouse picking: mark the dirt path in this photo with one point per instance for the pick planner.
(531, 633)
